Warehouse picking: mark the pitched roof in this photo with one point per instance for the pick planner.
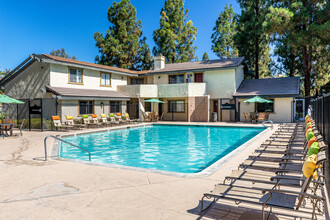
(62, 91)
(284, 86)
(66, 60)
(200, 65)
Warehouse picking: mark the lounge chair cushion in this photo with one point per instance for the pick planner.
(308, 130)
(306, 117)
(309, 127)
(56, 118)
(84, 116)
(94, 116)
(126, 115)
(112, 115)
(69, 117)
(314, 149)
(118, 114)
(311, 141)
(310, 135)
(308, 121)
(103, 116)
(309, 166)
(309, 124)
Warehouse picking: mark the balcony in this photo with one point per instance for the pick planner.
(164, 90)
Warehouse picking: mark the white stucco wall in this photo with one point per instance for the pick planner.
(29, 83)
(239, 76)
(220, 83)
(59, 77)
(282, 110)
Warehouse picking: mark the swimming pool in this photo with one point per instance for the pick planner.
(175, 148)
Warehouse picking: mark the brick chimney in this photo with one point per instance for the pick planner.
(159, 62)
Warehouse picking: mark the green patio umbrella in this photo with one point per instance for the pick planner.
(258, 99)
(154, 101)
(7, 100)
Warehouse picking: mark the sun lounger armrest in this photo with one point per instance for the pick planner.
(286, 162)
(282, 171)
(312, 196)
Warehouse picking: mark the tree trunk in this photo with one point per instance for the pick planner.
(292, 64)
(257, 44)
(307, 59)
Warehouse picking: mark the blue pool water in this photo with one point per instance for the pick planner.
(176, 148)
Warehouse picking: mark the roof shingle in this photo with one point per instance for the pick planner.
(62, 91)
(284, 86)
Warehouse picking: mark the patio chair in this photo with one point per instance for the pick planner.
(161, 117)
(146, 117)
(86, 121)
(127, 119)
(261, 117)
(70, 122)
(59, 125)
(113, 119)
(119, 118)
(105, 121)
(95, 121)
(7, 128)
(19, 127)
(273, 198)
(247, 118)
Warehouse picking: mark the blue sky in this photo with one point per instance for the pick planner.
(39, 26)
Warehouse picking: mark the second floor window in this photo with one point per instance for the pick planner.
(173, 79)
(136, 81)
(105, 79)
(76, 76)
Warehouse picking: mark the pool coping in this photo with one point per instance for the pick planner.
(204, 173)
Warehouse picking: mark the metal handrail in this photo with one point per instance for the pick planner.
(271, 122)
(57, 138)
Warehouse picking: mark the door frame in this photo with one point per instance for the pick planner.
(295, 107)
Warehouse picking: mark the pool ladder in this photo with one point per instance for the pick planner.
(269, 121)
(57, 138)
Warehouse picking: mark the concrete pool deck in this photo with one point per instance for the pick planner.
(34, 189)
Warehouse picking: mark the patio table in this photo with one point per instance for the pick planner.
(4, 129)
(254, 117)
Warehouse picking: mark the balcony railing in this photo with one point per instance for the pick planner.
(164, 90)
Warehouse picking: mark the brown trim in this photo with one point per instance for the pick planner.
(202, 76)
(184, 77)
(168, 106)
(82, 76)
(101, 79)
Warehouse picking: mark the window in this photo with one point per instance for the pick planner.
(76, 76)
(135, 81)
(173, 79)
(114, 106)
(105, 79)
(86, 107)
(175, 106)
(265, 107)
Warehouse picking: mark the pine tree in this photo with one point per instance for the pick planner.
(251, 39)
(223, 34)
(308, 25)
(61, 53)
(205, 56)
(123, 45)
(175, 37)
